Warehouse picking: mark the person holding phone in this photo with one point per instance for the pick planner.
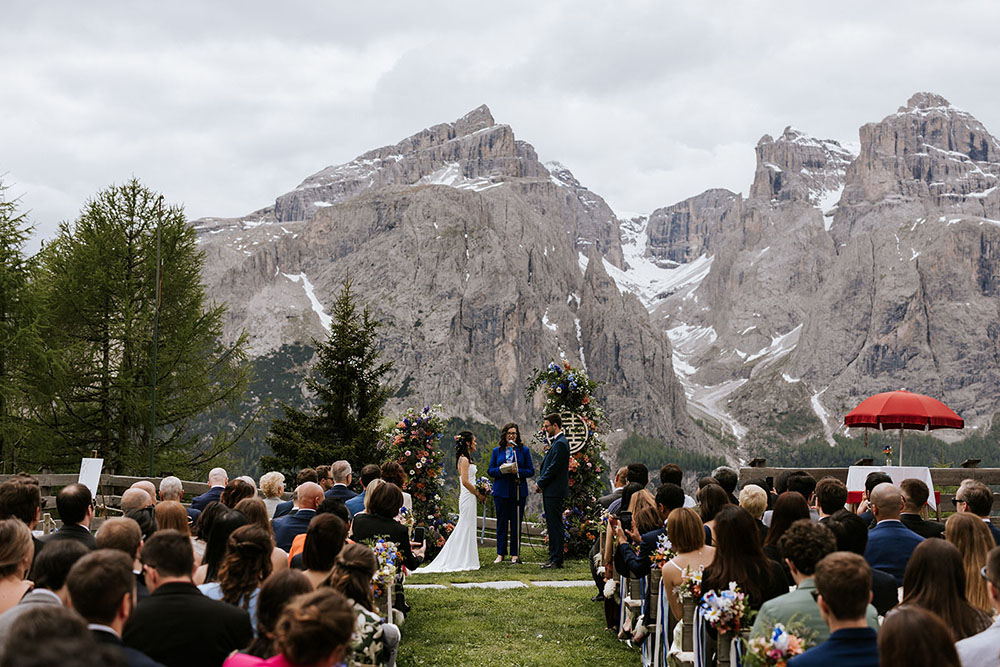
(510, 467)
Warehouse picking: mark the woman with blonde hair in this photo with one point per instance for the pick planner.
(16, 551)
(687, 536)
(171, 515)
(255, 511)
(968, 532)
(272, 487)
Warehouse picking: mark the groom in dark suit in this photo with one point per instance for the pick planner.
(553, 484)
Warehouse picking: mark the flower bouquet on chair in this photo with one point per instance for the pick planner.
(689, 593)
(776, 650)
(727, 613)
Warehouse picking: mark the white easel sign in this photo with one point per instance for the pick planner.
(90, 474)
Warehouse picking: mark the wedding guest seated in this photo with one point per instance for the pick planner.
(711, 499)
(203, 528)
(272, 487)
(635, 473)
(146, 486)
(217, 480)
(727, 478)
(246, 564)
(973, 540)
(170, 515)
(754, 500)
(145, 518)
(797, 481)
(77, 513)
(935, 581)
(982, 649)
(852, 535)
(335, 507)
(871, 481)
(275, 593)
(223, 526)
(309, 495)
(342, 476)
(375, 642)
(803, 545)
(49, 576)
(16, 553)
(368, 473)
(21, 498)
(914, 636)
(788, 508)
(235, 491)
(668, 498)
(124, 535)
(976, 497)
(687, 536)
(324, 540)
(915, 495)
(172, 489)
(177, 625)
(249, 480)
(617, 484)
(314, 631)
(739, 558)
(890, 543)
(48, 635)
(393, 472)
(304, 476)
(101, 587)
(843, 588)
(831, 496)
(255, 511)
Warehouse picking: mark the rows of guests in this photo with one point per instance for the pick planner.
(170, 585)
(803, 558)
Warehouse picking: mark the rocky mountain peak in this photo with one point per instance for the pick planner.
(924, 101)
(479, 118)
(798, 167)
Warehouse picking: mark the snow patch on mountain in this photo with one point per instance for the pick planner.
(317, 307)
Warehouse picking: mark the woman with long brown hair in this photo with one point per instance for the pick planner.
(375, 642)
(788, 508)
(973, 540)
(16, 552)
(935, 580)
(739, 558)
(245, 566)
(711, 499)
(915, 637)
(256, 513)
(171, 515)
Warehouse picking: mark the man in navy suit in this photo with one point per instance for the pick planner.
(890, 543)
(668, 498)
(976, 497)
(341, 473)
(843, 591)
(310, 495)
(510, 466)
(871, 481)
(291, 506)
(172, 489)
(368, 473)
(217, 480)
(553, 484)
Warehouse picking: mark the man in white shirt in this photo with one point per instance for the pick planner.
(983, 650)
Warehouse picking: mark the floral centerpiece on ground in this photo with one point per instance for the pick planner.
(690, 587)
(774, 651)
(484, 485)
(726, 610)
(570, 389)
(387, 557)
(664, 552)
(413, 443)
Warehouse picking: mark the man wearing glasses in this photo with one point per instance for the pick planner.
(982, 649)
(977, 498)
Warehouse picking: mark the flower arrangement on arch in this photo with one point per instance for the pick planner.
(725, 611)
(663, 553)
(775, 650)
(690, 587)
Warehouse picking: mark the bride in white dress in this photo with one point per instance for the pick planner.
(460, 552)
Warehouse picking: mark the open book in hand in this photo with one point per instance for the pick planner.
(509, 468)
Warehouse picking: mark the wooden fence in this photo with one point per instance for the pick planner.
(943, 479)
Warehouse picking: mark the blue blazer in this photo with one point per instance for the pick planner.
(287, 527)
(890, 545)
(857, 647)
(356, 504)
(281, 509)
(994, 531)
(554, 475)
(212, 495)
(504, 485)
(339, 492)
(640, 564)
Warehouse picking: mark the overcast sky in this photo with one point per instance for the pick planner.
(222, 106)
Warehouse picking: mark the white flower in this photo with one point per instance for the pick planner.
(419, 465)
(413, 472)
(406, 453)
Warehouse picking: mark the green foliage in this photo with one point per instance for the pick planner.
(98, 282)
(653, 454)
(569, 389)
(349, 396)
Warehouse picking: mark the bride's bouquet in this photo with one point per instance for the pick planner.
(725, 611)
(774, 651)
(484, 485)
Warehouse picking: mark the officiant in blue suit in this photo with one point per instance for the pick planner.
(510, 466)
(553, 484)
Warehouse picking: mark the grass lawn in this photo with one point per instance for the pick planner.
(519, 627)
(529, 570)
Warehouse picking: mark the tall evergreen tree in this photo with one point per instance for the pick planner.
(98, 279)
(20, 345)
(349, 395)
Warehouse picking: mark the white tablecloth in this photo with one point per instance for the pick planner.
(856, 479)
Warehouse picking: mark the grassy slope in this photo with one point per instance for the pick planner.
(520, 627)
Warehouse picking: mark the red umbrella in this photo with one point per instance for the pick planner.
(902, 410)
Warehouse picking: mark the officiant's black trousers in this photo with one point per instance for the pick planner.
(508, 519)
(553, 508)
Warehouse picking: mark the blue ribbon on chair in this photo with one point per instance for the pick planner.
(701, 656)
(663, 627)
(647, 654)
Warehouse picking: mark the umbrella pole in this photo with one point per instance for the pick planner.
(900, 459)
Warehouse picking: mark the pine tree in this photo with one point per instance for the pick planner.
(98, 279)
(349, 396)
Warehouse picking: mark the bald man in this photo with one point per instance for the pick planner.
(217, 480)
(890, 542)
(135, 499)
(310, 495)
(146, 486)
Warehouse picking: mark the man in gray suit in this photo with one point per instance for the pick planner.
(49, 574)
(982, 649)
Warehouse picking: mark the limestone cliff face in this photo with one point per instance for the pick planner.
(471, 252)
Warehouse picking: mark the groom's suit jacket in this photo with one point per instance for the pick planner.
(504, 485)
(553, 478)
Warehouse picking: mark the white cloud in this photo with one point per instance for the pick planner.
(224, 105)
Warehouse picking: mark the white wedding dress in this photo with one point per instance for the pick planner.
(460, 552)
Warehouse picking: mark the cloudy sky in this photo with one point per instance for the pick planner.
(224, 105)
